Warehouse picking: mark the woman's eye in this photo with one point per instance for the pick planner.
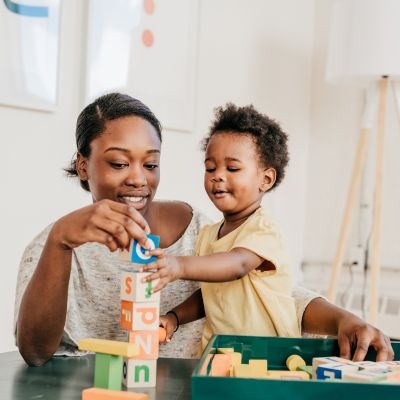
(151, 166)
(118, 165)
(210, 169)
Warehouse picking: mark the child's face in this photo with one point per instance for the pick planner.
(234, 179)
(124, 163)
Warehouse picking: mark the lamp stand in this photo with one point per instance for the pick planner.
(353, 193)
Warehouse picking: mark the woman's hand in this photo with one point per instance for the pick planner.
(168, 322)
(168, 269)
(107, 222)
(354, 333)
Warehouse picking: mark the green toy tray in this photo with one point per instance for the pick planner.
(276, 350)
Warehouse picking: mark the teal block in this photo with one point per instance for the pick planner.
(108, 371)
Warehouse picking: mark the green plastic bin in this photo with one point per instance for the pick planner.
(276, 350)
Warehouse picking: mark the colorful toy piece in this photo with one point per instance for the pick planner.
(138, 253)
(104, 394)
(294, 361)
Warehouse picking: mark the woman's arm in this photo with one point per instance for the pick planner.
(42, 312)
(353, 333)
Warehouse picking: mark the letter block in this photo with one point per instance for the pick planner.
(133, 289)
(105, 394)
(147, 342)
(139, 316)
(139, 373)
(136, 254)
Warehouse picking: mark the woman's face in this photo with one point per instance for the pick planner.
(124, 163)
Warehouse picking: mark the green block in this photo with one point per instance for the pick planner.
(108, 371)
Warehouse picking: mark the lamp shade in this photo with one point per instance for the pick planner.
(364, 41)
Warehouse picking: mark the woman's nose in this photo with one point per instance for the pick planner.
(136, 177)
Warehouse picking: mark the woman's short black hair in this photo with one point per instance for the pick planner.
(271, 141)
(92, 121)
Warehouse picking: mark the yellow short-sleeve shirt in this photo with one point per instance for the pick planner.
(260, 303)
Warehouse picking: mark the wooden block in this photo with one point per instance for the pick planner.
(139, 316)
(108, 371)
(105, 394)
(288, 375)
(221, 365)
(294, 361)
(326, 360)
(137, 252)
(363, 376)
(134, 290)
(112, 347)
(139, 373)
(236, 360)
(334, 371)
(225, 350)
(147, 343)
(259, 365)
(162, 334)
(248, 371)
(307, 369)
(392, 365)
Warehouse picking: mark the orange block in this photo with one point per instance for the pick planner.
(105, 394)
(147, 343)
(221, 365)
(162, 334)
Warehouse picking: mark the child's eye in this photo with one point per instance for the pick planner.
(232, 169)
(151, 166)
(118, 165)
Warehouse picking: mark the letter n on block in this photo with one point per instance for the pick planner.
(139, 373)
(147, 342)
(139, 316)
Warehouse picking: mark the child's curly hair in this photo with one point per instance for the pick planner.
(271, 141)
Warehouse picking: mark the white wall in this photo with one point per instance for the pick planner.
(335, 124)
(249, 52)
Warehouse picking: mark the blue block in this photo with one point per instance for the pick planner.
(138, 252)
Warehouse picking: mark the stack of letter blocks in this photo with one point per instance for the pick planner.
(133, 363)
(226, 362)
(140, 310)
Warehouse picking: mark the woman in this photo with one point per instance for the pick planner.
(69, 280)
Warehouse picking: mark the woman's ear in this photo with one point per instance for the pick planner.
(81, 167)
(268, 179)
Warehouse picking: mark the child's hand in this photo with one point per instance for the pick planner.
(168, 268)
(169, 323)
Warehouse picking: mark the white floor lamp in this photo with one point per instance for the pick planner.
(365, 49)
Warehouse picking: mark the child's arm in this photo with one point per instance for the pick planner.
(190, 310)
(217, 267)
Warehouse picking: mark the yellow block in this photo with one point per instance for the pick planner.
(297, 375)
(248, 371)
(294, 361)
(262, 365)
(225, 350)
(112, 347)
(236, 360)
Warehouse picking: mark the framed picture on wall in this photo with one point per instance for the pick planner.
(29, 48)
(148, 49)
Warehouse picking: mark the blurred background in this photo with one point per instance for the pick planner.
(184, 58)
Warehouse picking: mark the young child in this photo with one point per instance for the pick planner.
(242, 260)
